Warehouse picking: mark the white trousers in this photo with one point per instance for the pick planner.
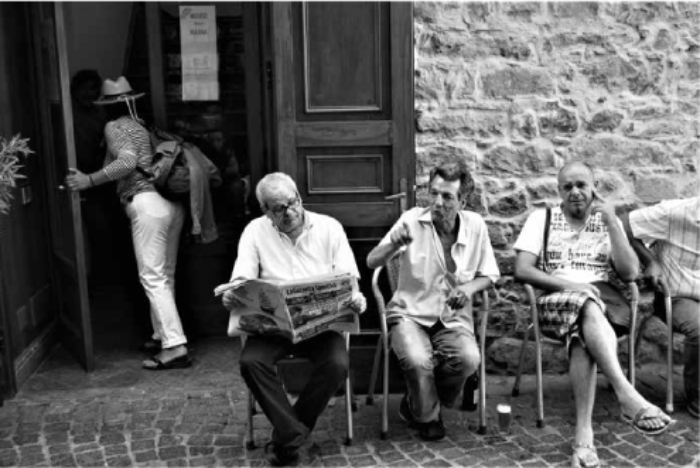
(155, 229)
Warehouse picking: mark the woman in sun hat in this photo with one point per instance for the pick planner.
(155, 222)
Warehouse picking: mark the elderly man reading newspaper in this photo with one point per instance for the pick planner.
(290, 243)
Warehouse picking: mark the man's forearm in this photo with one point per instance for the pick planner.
(626, 262)
(476, 285)
(381, 254)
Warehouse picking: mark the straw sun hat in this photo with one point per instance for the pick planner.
(117, 91)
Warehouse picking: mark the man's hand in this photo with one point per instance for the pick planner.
(358, 303)
(583, 287)
(458, 299)
(607, 210)
(652, 273)
(228, 300)
(401, 236)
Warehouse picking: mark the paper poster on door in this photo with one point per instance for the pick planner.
(200, 61)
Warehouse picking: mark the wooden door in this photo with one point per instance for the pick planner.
(58, 154)
(343, 91)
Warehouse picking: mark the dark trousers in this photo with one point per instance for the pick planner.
(293, 424)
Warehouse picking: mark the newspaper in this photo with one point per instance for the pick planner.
(296, 309)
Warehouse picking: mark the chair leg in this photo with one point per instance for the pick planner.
(538, 364)
(375, 372)
(669, 354)
(250, 443)
(348, 399)
(516, 385)
(348, 410)
(482, 395)
(385, 392)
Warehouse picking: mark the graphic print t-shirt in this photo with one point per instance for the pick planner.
(581, 256)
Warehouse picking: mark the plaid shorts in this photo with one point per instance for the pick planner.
(559, 312)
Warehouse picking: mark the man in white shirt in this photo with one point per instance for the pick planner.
(289, 243)
(445, 256)
(674, 228)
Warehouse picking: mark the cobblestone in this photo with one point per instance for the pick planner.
(196, 417)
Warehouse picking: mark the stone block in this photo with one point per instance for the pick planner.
(542, 189)
(510, 205)
(574, 10)
(656, 187)
(467, 123)
(605, 151)
(519, 161)
(516, 81)
(605, 121)
(558, 121)
(500, 233)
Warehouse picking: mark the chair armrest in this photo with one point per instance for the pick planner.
(379, 299)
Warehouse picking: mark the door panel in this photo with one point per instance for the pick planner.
(59, 154)
(344, 122)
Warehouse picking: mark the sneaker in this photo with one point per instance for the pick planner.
(693, 409)
(433, 430)
(405, 411)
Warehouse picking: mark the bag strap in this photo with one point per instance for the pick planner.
(547, 222)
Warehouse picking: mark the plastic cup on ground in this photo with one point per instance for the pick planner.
(503, 418)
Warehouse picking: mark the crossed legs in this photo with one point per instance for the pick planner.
(601, 350)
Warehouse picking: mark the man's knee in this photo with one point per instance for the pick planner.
(336, 365)
(248, 363)
(464, 362)
(415, 360)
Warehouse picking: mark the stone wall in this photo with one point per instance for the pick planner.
(518, 89)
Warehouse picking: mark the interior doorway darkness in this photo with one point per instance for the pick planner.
(228, 131)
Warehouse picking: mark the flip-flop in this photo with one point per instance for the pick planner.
(153, 363)
(644, 414)
(580, 451)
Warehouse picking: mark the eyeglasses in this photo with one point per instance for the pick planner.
(279, 210)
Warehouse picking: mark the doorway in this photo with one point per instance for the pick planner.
(142, 41)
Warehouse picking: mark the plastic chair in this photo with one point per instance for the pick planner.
(634, 303)
(349, 397)
(392, 271)
(669, 350)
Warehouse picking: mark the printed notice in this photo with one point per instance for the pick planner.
(200, 61)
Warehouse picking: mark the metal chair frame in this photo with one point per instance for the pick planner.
(669, 349)
(392, 269)
(349, 404)
(534, 325)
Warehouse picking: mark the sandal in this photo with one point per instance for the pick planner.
(153, 363)
(151, 346)
(584, 456)
(646, 413)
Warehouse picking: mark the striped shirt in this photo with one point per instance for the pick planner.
(129, 146)
(674, 225)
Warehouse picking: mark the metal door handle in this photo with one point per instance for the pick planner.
(401, 196)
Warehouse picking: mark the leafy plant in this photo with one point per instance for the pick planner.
(9, 167)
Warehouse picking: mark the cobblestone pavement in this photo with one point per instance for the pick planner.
(121, 415)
